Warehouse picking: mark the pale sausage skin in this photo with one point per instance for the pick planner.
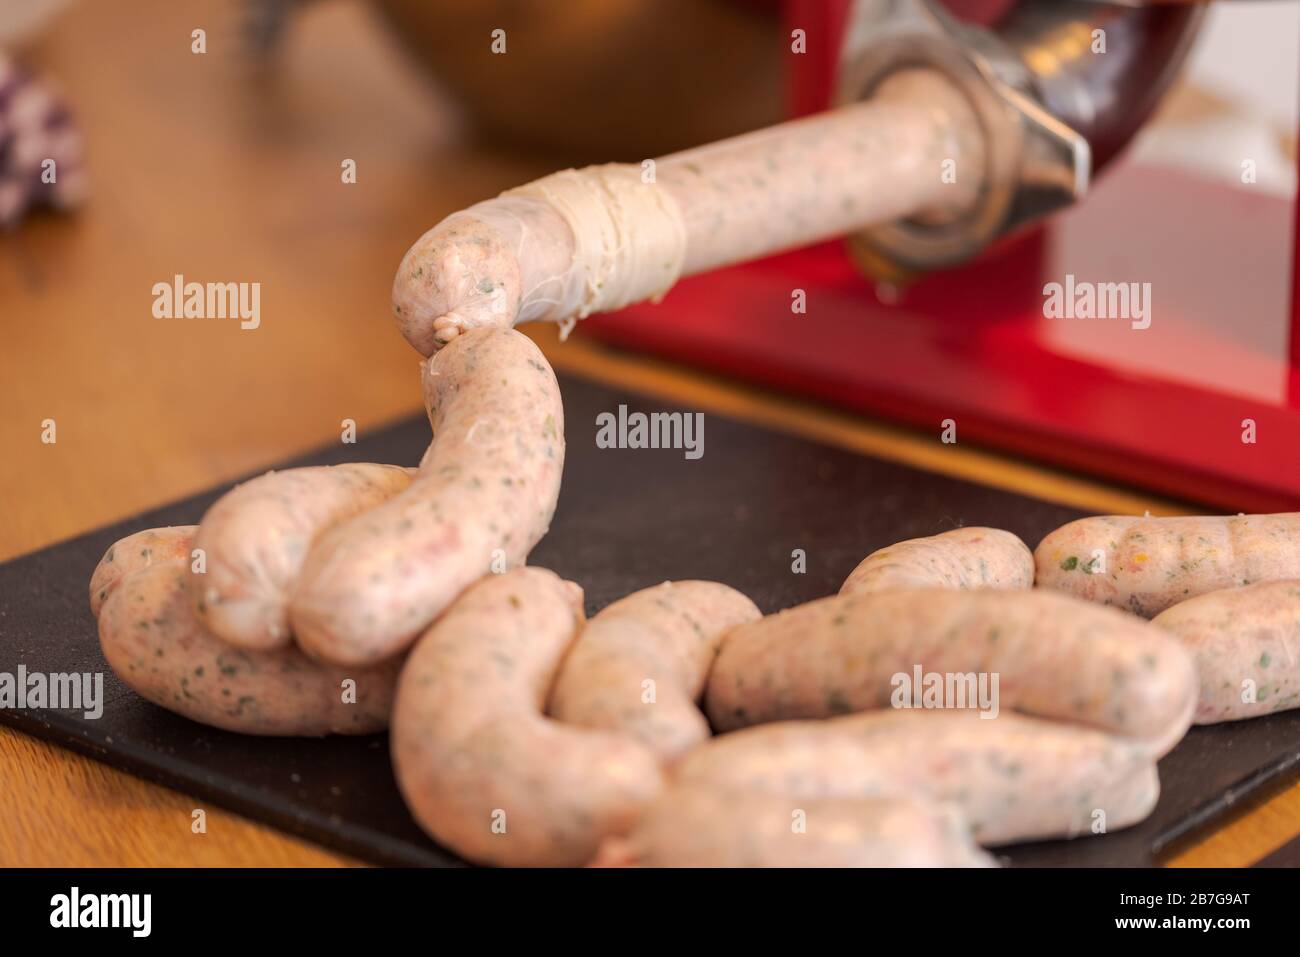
(1055, 657)
(1013, 778)
(964, 558)
(488, 484)
(510, 259)
(255, 539)
(639, 666)
(699, 827)
(1240, 634)
(154, 643)
(1145, 565)
(134, 552)
(483, 771)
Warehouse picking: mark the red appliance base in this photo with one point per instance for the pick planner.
(1165, 407)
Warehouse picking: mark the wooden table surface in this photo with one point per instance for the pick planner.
(214, 168)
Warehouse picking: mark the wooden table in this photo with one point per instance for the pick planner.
(214, 168)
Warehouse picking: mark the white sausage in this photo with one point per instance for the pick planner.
(134, 552)
(484, 497)
(512, 259)
(963, 558)
(1014, 778)
(480, 767)
(255, 539)
(1246, 645)
(1053, 656)
(154, 643)
(640, 665)
(1145, 565)
(697, 827)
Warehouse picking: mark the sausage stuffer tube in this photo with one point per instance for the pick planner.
(943, 146)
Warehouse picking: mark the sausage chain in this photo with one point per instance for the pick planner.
(481, 767)
(484, 496)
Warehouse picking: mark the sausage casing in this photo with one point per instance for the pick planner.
(1246, 645)
(134, 552)
(480, 767)
(699, 827)
(1014, 778)
(1052, 656)
(154, 643)
(962, 558)
(255, 539)
(484, 497)
(1145, 565)
(639, 666)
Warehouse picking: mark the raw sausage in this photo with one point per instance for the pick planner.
(1246, 645)
(154, 643)
(484, 496)
(480, 767)
(963, 558)
(255, 540)
(592, 240)
(134, 552)
(697, 827)
(640, 665)
(1051, 655)
(1146, 565)
(1014, 778)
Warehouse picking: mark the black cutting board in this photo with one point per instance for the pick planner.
(627, 518)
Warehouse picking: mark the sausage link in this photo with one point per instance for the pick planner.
(963, 558)
(139, 550)
(585, 241)
(482, 769)
(255, 539)
(1146, 565)
(154, 643)
(1239, 635)
(1053, 656)
(640, 665)
(488, 483)
(1013, 778)
(697, 827)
